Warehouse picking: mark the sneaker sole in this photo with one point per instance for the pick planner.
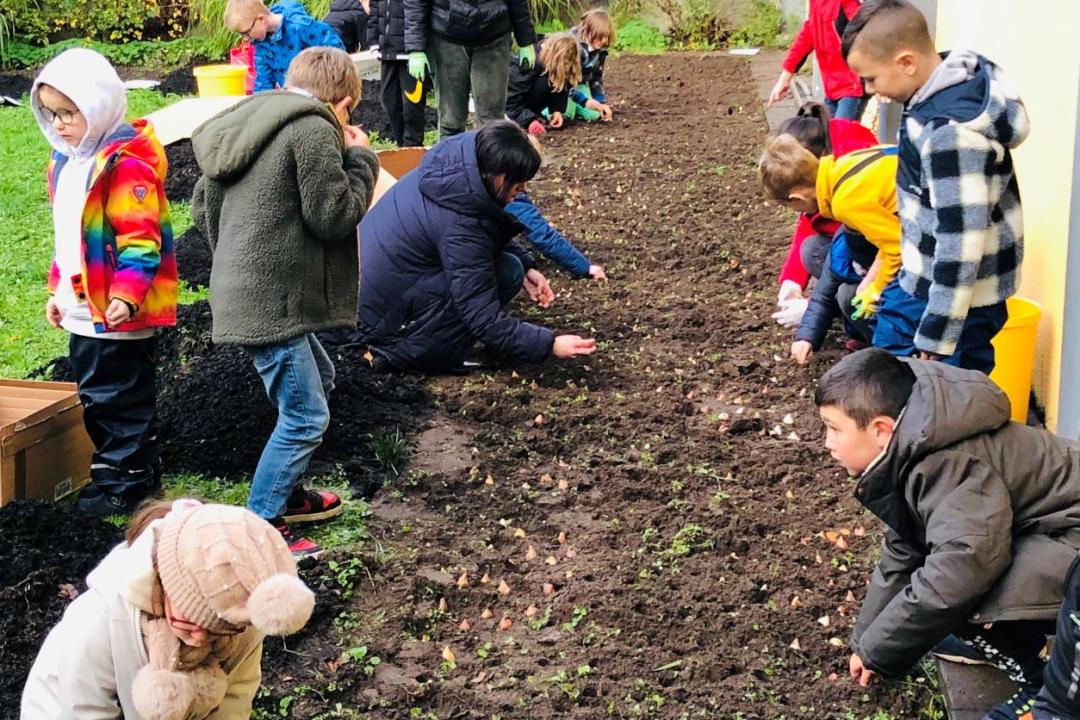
(961, 659)
(313, 517)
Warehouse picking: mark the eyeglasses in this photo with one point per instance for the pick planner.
(247, 33)
(65, 116)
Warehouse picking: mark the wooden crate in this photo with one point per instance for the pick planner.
(44, 449)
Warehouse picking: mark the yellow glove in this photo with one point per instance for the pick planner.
(865, 304)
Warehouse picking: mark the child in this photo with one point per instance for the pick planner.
(172, 623)
(959, 199)
(595, 33)
(982, 515)
(467, 43)
(113, 276)
(859, 190)
(349, 19)
(821, 34)
(284, 185)
(404, 98)
(821, 134)
(552, 243)
(542, 89)
(278, 34)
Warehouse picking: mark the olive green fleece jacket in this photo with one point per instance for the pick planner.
(279, 202)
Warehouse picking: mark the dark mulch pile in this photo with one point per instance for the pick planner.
(45, 553)
(193, 258)
(15, 84)
(183, 173)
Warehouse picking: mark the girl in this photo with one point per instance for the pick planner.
(113, 276)
(543, 89)
(822, 135)
(595, 33)
(172, 623)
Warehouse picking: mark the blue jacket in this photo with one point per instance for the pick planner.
(298, 31)
(427, 268)
(549, 241)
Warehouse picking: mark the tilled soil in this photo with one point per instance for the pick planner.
(654, 531)
(45, 554)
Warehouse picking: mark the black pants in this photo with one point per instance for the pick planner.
(406, 116)
(116, 387)
(1060, 696)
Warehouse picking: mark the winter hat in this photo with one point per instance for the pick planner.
(224, 569)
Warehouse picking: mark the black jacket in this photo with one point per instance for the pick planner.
(349, 21)
(427, 265)
(529, 92)
(386, 28)
(982, 519)
(467, 22)
(822, 309)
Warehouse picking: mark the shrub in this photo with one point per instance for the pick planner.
(19, 54)
(762, 27)
(637, 36)
(103, 20)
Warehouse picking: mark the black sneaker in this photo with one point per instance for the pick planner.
(311, 506)
(102, 504)
(953, 649)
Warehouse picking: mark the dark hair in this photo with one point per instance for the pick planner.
(810, 127)
(505, 156)
(890, 25)
(865, 385)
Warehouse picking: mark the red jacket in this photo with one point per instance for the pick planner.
(821, 34)
(844, 136)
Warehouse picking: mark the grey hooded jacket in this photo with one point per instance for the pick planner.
(982, 515)
(279, 202)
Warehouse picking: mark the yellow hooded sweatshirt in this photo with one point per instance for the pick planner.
(859, 190)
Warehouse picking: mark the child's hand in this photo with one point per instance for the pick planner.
(556, 120)
(801, 351)
(354, 136)
(859, 672)
(539, 288)
(118, 312)
(602, 108)
(922, 355)
(596, 272)
(567, 346)
(53, 314)
(537, 128)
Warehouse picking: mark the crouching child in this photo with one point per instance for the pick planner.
(982, 516)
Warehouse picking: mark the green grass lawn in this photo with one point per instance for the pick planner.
(26, 341)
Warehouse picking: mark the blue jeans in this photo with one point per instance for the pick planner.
(298, 376)
(898, 320)
(509, 276)
(848, 108)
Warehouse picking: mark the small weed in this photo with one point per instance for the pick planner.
(362, 657)
(390, 450)
(578, 615)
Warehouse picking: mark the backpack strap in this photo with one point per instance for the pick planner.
(870, 159)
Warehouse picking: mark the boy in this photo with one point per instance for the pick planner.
(595, 33)
(959, 199)
(278, 34)
(404, 98)
(349, 19)
(859, 190)
(284, 184)
(982, 515)
(113, 276)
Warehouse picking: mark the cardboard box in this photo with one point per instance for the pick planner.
(44, 449)
(393, 164)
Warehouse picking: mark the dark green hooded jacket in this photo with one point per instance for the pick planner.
(279, 202)
(982, 515)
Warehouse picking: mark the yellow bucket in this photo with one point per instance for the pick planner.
(1014, 354)
(219, 80)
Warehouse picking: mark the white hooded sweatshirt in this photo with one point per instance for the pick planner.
(91, 82)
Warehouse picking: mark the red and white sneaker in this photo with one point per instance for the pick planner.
(300, 547)
(311, 505)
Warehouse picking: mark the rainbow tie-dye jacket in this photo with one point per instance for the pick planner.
(127, 243)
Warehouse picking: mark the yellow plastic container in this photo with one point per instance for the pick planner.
(219, 80)
(1014, 354)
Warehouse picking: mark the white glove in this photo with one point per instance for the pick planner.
(791, 312)
(789, 290)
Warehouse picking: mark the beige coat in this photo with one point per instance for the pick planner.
(88, 661)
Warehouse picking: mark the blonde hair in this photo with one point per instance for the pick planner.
(786, 166)
(595, 27)
(241, 14)
(561, 59)
(329, 74)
